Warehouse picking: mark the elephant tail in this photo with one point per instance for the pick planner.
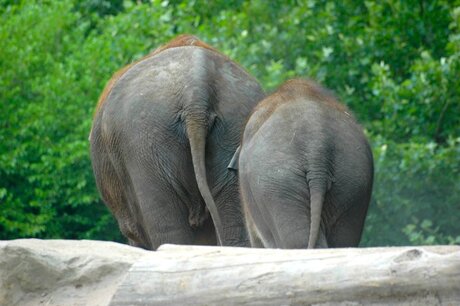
(318, 189)
(197, 132)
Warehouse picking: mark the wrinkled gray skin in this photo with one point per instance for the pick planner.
(305, 170)
(161, 142)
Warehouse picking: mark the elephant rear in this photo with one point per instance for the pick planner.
(306, 170)
(162, 116)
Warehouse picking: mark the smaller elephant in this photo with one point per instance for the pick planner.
(305, 170)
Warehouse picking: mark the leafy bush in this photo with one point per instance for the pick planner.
(395, 63)
(416, 194)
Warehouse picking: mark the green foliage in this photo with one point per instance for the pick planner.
(395, 63)
(47, 98)
(416, 193)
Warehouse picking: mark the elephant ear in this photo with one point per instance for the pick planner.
(233, 165)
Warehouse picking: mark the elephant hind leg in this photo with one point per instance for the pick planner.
(259, 232)
(164, 215)
(281, 206)
(295, 236)
(116, 195)
(347, 230)
(291, 221)
(256, 238)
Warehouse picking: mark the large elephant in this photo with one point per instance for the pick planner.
(164, 131)
(305, 170)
